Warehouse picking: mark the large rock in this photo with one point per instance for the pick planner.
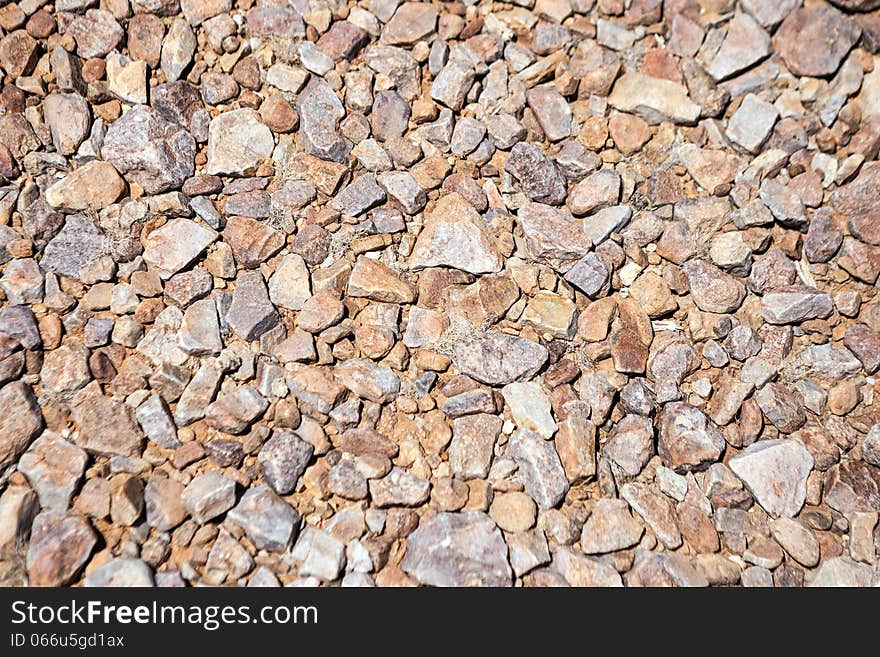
(538, 176)
(60, 546)
(106, 426)
(498, 358)
(744, 44)
(251, 313)
(553, 237)
(688, 441)
(54, 468)
(175, 245)
(610, 527)
(149, 150)
(267, 520)
(320, 112)
(17, 428)
(654, 99)
(121, 572)
(775, 473)
(93, 186)
(237, 142)
(794, 304)
(853, 486)
(712, 289)
(859, 201)
(814, 40)
(540, 470)
(455, 236)
(79, 250)
(366, 379)
(458, 549)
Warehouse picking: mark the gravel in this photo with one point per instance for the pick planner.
(443, 294)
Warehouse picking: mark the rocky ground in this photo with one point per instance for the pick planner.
(555, 292)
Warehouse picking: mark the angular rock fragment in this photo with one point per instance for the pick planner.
(775, 473)
(458, 549)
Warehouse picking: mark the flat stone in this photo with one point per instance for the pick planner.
(530, 408)
(583, 571)
(610, 527)
(458, 549)
(164, 503)
(411, 22)
(320, 112)
(373, 280)
(499, 359)
(843, 572)
(782, 405)
(538, 176)
(208, 496)
(865, 344)
(452, 84)
(69, 121)
(630, 445)
(473, 445)
(319, 554)
(852, 486)
(553, 237)
(539, 468)
(551, 110)
(803, 28)
(104, 187)
(712, 289)
(455, 236)
(399, 488)
(368, 380)
(235, 411)
(654, 99)
(752, 122)
(656, 510)
(178, 49)
(797, 539)
(121, 572)
(283, 459)
(251, 313)
(744, 44)
(54, 468)
(775, 473)
(106, 426)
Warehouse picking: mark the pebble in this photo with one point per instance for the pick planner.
(408, 293)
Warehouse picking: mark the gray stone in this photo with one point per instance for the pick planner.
(208, 496)
(53, 468)
(319, 554)
(267, 520)
(251, 313)
(320, 111)
(237, 142)
(458, 549)
(283, 459)
(121, 572)
(540, 470)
